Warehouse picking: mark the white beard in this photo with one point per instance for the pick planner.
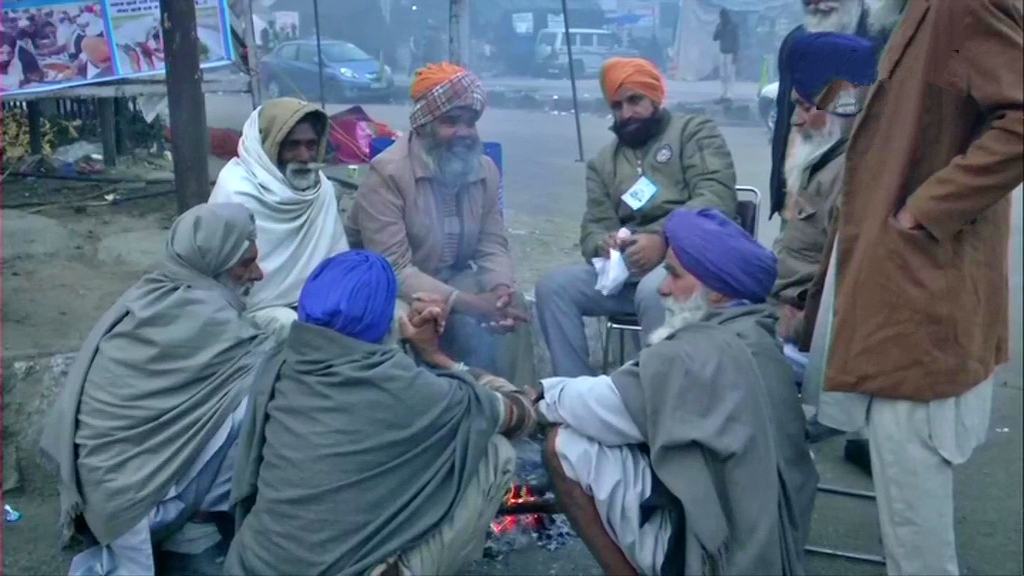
(303, 176)
(839, 16)
(883, 16)
(680, 314)
(808, 147)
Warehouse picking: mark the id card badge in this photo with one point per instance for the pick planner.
(640, 193)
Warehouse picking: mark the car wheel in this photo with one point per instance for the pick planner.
(273, 90)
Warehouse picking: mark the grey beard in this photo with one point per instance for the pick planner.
(302, 176)
(884, 15)
(458, 165)
(841, 17)
(808, 147)
(241, 289)
(679, 315)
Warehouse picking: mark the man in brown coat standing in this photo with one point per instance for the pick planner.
(913, 316)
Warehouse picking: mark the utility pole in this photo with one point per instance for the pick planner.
(458, 32)
(190, 140)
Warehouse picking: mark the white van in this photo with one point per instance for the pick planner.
(590, 48)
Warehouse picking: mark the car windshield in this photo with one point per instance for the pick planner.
(343, 52)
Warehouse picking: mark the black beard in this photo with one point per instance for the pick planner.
(638, 132)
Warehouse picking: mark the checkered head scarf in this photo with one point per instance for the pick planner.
(440, 88)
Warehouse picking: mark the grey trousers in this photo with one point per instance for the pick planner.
(566, 295)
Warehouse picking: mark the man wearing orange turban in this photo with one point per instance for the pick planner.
(430, 205)
(659, 161)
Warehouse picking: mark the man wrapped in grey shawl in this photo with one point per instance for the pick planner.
(353, 456)
(157, 377)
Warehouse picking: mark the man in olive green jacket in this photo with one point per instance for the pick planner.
(659, 161)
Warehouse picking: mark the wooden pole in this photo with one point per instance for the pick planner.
(190, 140)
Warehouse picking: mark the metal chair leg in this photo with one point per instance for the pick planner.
(604, 347)
(846, 492)
(622, 348)
(872, 558)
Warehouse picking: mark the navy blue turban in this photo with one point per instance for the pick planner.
(352, 293)
(721, 254)
(821, 58)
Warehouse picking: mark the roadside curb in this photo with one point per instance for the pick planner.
(741, 113)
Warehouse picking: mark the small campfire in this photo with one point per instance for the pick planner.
(527, 515)
(510, 516)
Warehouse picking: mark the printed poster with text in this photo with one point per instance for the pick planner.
(54, 44)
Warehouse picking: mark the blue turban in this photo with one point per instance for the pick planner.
(821, 58)
(721, 254)
(352, 293)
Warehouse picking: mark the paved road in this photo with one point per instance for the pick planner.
(544, 180)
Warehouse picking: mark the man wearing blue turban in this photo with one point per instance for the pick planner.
(814, 170)
(713, 386)
(355, 459)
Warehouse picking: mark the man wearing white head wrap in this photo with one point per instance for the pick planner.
(277, 176)
(144, 431)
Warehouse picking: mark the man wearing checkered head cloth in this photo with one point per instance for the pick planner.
(430, 205)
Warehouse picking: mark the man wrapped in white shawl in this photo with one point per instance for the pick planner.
(277, 176)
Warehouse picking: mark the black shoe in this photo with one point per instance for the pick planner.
(856, 452)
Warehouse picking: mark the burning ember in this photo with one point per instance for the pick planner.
(517, 494)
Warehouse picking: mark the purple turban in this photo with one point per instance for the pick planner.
(352, 293)
(721, 254)
(821, 58)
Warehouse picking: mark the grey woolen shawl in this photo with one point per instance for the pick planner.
(351, 455)
(155, 379)
(718, 406)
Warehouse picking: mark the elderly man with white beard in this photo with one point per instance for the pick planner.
(838, 16)
(277, 176)
(144, 432)
(691, 459)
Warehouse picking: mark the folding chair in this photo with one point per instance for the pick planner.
(748, 209)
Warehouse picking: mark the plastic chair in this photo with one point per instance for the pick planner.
(748, 210)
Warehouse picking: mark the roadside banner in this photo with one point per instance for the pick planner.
(56, 44)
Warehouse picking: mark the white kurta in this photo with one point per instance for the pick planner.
(597, 447)
(914, 446)
(205, 487)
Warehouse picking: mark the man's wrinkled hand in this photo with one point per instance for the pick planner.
(611, 242)
(644, 252)
(908, 221)
(422, 301)
(502, 315)
(790, 321)
(420, 330)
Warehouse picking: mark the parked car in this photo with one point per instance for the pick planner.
(766, 105)
(292, 69)
(590, 48)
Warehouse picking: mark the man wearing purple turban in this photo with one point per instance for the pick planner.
(692, 458)
(355, 459)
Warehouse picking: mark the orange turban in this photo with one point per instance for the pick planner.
(433, 75)
(633, 73)
(439, 88)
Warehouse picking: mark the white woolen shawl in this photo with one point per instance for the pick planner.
(296, 230)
